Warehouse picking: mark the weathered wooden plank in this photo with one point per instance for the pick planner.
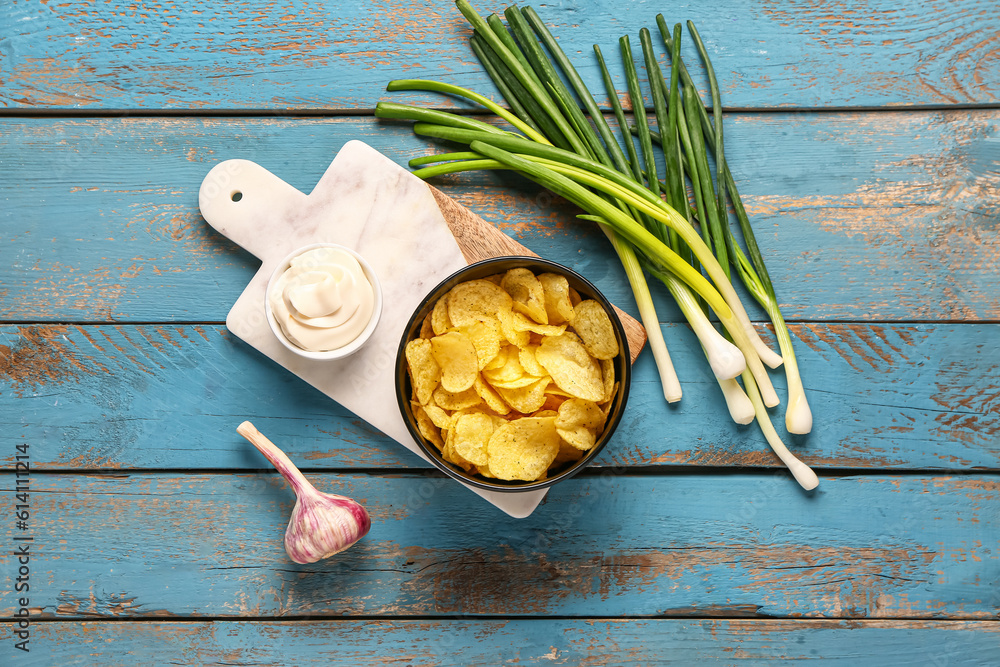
(510, 642)
(603, 545)
(252, 55)
(881, 216)
(169, 396)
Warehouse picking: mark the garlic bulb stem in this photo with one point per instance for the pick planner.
(278, 459)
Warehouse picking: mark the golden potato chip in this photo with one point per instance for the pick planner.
(529, 298)
(449, 454)
(592, 324)
(469, 301)
(521, 322)
(511, 370)
(526, 355)
(426, 328)
(571, 367)
(608, 375)
(456, 355)
(523, 449)
(490, 397)
(567, 454)
(606, 406)
(485, 336)
(438, 415)
(555, 289)
(424, 369)
(574, 297)
(516, 383)
(552, 400)
(513, 335)
(526, 399)
(440, 322)
(471, 435)
(580, 422)
(426, 426)
(500, 360)
(460, 401)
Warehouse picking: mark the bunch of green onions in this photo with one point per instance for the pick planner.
(649, 217)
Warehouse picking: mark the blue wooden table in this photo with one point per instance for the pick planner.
(139, 528)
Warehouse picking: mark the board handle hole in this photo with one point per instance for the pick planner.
(236, 195)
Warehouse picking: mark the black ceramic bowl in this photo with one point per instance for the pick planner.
(489, 267)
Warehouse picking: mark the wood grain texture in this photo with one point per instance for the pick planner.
(438, 643)
(605, 545)
(898, 397)
(303, 55)
(479, 240)
(880, 216)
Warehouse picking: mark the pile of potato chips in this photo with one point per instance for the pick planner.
(513, 375)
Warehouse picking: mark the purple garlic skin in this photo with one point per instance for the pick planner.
(322, 524)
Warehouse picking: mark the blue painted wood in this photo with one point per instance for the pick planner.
(633, 643)
(254, 55)
(168, 396)
(882, 216)
(602, 545)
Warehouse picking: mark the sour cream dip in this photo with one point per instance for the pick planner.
(323, 300)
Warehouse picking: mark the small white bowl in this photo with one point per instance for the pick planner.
(340, 352)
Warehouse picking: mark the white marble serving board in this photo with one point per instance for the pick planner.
(368, 203)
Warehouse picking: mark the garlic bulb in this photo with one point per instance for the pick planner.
(322, 524)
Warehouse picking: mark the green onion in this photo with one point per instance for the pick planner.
(574, 153)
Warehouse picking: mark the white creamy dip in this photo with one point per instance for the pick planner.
(323, 300)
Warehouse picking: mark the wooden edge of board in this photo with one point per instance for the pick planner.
(480, 240)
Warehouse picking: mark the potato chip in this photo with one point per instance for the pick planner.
(521, 322)
(529, 298)
(500, 360)
(440, 321)
(424, 369)
(580, 422)
(574, 297)
(526, 355)
(513, 335)
(460, 401)
(555, 289)
(511, 370)
(606, 406)
(571, 367)
(523, 449)
(485, 337)
(552, 400)
(426, 328)
(456, 355)
(526, 399)
(567, 454)
(608, 375)
(449, 454)
(516, 383)
(490, 397)
(438, 415)
(471, 435)
(469, 301)
(426, 426)
(592, 324)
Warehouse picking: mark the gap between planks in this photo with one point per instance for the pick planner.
(292, 114)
